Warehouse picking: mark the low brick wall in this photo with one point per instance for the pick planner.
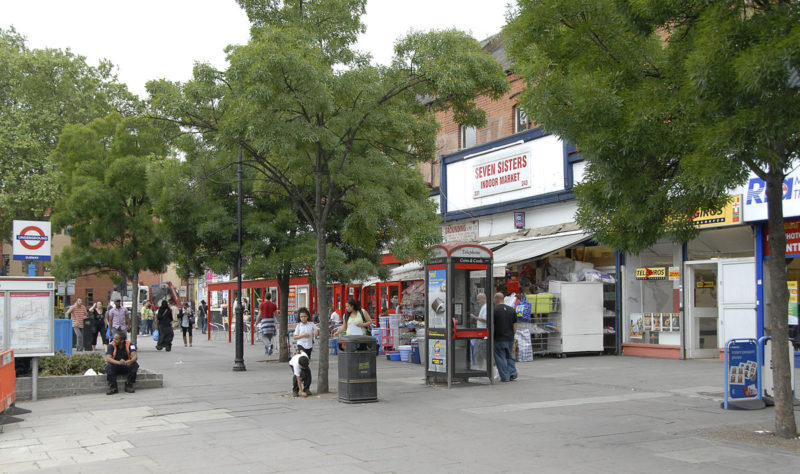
(68, 385)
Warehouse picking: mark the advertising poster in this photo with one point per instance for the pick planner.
(741, 375)
(648, 322)
(676, 322)
(292, 303)
(437, 298)
(30, 322)
(666, 321)
(792, 302)
(437, 356)
(637, 330)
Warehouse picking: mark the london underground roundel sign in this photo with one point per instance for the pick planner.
(31, 240)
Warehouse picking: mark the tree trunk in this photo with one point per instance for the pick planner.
(283, 316)
(323, 299)
(777, 322)
(135, 307)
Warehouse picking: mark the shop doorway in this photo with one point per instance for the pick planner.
(720, 304)
(701, 310)
(737, 299)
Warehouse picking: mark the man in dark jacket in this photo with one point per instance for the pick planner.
(121, 360)
(505, 327)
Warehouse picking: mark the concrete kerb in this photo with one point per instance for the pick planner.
(71, 385)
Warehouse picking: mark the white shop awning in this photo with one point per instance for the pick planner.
(409, 271)
(521, 250)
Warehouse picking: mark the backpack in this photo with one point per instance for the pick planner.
(127, 350)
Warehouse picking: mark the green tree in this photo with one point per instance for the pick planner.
(41, 90)
(672, 103)
(106, 207)
(334, 134)
(202, 219)
(193, 200)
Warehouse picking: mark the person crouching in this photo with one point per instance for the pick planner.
(301, 374)
(121, 359)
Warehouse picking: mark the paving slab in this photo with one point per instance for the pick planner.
(607, 414)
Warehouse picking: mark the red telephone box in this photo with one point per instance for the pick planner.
(458, 345)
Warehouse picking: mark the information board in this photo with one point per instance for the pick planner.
(26, 315)
(30, 321)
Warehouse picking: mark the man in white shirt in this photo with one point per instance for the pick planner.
(335, 319)
(481, 317)
(479, 346)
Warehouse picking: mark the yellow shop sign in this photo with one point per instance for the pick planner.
(651, 273)
(731, 214)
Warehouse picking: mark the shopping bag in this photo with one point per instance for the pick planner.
(155, 335)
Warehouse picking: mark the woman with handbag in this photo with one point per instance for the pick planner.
(97, 314)
(357, 322)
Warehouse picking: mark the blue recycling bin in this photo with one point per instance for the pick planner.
(62, 335)
(415, 354)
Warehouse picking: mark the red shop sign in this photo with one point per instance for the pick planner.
(792, 239)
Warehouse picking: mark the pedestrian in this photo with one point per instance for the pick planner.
(357, 322)
(165, 332)
(186, 317)
(267, 308)
(202, 315)
(97, 315)
(176, 311)
(305, 332)
(505, 327)
(301, 374)
(334, 321)
(77, 313)
(478, 346)
(266, 324)
(147, 318)
(121, 359)
(119, 317)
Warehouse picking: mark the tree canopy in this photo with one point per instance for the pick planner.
(332, 133)
(672, 103)
(42, 90)
(106, 207)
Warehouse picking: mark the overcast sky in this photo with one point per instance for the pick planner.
(149, 39)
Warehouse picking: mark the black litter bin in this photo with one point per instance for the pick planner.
(357, 374)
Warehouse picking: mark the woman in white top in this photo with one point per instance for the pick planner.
(356, 320)
(305, 332)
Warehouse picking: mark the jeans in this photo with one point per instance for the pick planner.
(148, 326)
(78, 338)
(113, 370)
(267, 343)
(203, 324)
(504, 359)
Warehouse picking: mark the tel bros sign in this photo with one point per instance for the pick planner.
(31, 240)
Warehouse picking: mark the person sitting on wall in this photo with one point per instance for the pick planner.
(121, 358)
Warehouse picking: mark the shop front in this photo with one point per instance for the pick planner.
(755, 207)
(514, 196)
(685, 300)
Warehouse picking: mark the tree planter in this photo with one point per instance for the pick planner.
(68, 385)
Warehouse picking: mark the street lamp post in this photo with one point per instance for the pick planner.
(238, 362)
